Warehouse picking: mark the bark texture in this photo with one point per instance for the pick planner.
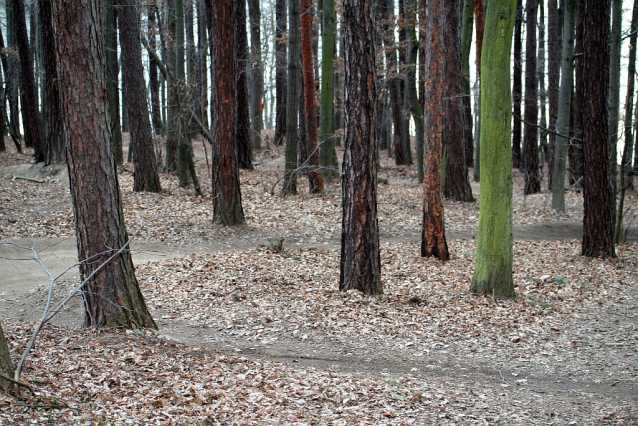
(280, 72)
(111, 294)
(242, 133)
(360, 258)
(598, 190)
(256, 72)
(530, 143)
(292, 101)
(553, 75)
(494, 247)
(517, 86)
(227, 208)
(6, 366)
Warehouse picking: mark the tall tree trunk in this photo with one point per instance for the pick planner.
(575, 150)
(146, 176)
(200, 79)
(12, 75)
(530, 143)
(479, 19)
(598, 189)
(517, 87)
(8, 67)
(112, 295)
(494, 246)
(55, 131)
(315, 178)
(112, 77)
(466, 47)
(257, 74)
(292, 103)
(360, 264)
(433, 241)
(542, 93)
(327, 151)
(405, 149)
(28, 91)
(564, 106)
(227, 208)
(242, 133)
(553, 75)
(614, 96)
(154, 82)
(281, 91)
(6, 366)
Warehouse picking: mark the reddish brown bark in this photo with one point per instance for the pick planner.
(479, 19)
(313, 170)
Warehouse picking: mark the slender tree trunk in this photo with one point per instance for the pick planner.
(12, 75)
(433, 241)
(466, 46)
(292, 103)
(494, 247)
(6, 366)
(227, 208)
(154, 83)
(28, 91)
(517, 86)
(542, 93)
(112, 77)
(614, 96)
(281, 91)
(575, 150)
(313, 170)
(564, 106)
(8, 68)
(530, 144)
(200, 80)
(553, 75)
(360, 258)
(598, 189)
(112, 295)
(146, 176)
(479, 19)
(406, 148)
(242, 133)
(257, 73)
(327, 151)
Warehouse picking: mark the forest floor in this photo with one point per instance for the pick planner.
(253, 335)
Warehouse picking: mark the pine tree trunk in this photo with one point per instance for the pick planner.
(112, 77)
(575, 150)
(494, 247)
(327, 151)
(154, 82)
(292, 103)
(146, 175)
(517, 87)
(281, 91)
(598, 188)
(257, 74)
(201, 80)
(433, 241)
(111, 293)
(360, 259)
(530, 142)
(553, 75)
(466, 46)
(542, 93)
(614, 96)
(242, 133)
(12, 75)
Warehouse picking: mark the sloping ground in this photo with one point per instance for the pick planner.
(254, 336)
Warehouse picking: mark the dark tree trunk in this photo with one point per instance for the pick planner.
(598, 191)
(433, 241)
(201, 80)
(227, 208)
(111, 294)
(146, 176)
(517, 86)
(575, 150)
(553, 78)
(467, 25)
(12, 75)
(55, 131)
(292, 103)
(403, 150)
(242, 133)
(315, 177)
(280, 73)
(257, 76)
(457, 183)
(112, 77)
(8, 66)
(530, 144)
(28, 91)
(542, 92)
(360, 258)
(154, 85)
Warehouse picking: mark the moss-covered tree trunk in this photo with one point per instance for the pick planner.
(112, 295)
(327, 151)
(494, 248)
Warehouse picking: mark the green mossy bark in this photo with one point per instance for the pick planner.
(494, 253)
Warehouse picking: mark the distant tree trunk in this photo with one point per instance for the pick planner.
(12, 75)
(173, 112)
(146, 176)
(201, 81)
(360, 259)
(598, 190)
(542, 93)
(280, 72)
(227, 208)
(575, 150)
(257, 73)
(55, 133)
(479, 19)
(292, 102)
(242, 133)
(466, 47)
(405, 149)
(191, 58)
(553, 75)
(564, 106)
(312, 168)
(8, 68)
(530, 144)
(614, 96)
(154, 83)
(112, 77)
(28, 91)
(112, 295)
(327, 151)
(6, 366)
(433, 241)
(494, 246)
(517, 86)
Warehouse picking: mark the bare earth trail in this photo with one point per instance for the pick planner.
(557, 375)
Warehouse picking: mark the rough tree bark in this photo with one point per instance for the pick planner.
(530, 142)
(146, 174)
(6, 366)
(494, 247)
(242, 132)
(575, 150)
(466, 47)
(280, 72)
(112, 295)
(112, 77)
(598, 190)
(227, 208)
(327, 151)
(433, 241)
(292, 101)
(360, 259)
(517, 86)
(553, 76)
(257, 74)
